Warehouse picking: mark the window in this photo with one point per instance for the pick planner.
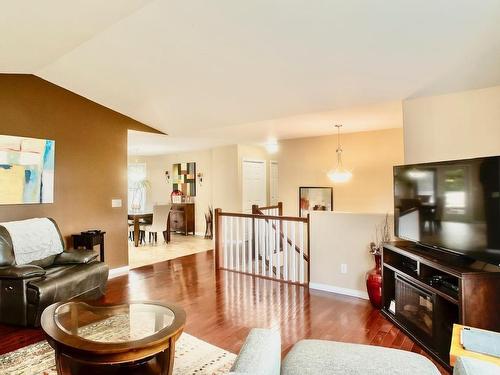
(136, 194)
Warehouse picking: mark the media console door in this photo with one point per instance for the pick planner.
(182, 218)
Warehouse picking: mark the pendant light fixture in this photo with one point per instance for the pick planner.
(339, 174)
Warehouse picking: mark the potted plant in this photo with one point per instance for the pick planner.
(374, 276)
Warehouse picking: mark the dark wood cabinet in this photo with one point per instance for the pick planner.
(426, 291)
(182, 219)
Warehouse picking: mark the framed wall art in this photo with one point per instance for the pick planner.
(26, 170)
(313, 198)
(184, 178)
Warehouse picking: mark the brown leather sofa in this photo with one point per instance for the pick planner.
(26, 290)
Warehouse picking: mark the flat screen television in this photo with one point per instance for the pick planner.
(451, 205)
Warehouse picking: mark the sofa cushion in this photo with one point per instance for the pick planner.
(260, 354)
(473, 366)
(34, 239)
(6, 250)
(77, 256)
(44, 262)
(64, 282)
(309, 357)
(24, 271)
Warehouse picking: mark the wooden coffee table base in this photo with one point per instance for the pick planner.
(146, 333)
(160, 363)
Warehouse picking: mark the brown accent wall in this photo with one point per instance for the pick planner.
(90, 158)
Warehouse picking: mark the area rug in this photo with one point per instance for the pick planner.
(192, 356)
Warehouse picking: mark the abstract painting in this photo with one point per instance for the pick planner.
(26, 170)
(315, 199)
(184, 178)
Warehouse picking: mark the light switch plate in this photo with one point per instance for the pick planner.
(343, 268)
(116, 202)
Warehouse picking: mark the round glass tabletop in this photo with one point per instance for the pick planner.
(113, 324)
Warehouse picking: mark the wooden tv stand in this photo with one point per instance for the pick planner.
(426, 308)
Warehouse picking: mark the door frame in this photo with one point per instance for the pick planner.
(251, 160)
(271, 162)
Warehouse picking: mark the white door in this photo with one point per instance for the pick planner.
(273, 183)
(253, 184)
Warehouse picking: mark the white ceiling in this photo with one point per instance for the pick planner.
(355, 119)
(219, 70)
(34, 34)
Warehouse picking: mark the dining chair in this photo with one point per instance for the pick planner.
(142, 232)
(161, 222)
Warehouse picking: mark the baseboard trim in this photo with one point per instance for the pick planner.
(115, 272)
(339, 290)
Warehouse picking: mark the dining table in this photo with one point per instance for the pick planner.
(136, 217)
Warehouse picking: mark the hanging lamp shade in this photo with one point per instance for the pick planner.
(339, 174)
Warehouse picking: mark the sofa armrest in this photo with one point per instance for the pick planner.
(473, 366)
(77, 256)
(24, 271)
(260, 354)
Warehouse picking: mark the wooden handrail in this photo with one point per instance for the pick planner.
(256, 209)
(266, 217)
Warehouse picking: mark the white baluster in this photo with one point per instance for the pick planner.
(278, 250)
(243, 245)
(263, 247)
(270, 240)
(231, 243)
(225, 245)
(285, 250)
(250, 244)
(292, 252)
(301, 255)
(237, 244)
(257, 245)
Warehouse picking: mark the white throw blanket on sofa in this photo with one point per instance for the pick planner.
(33, 239)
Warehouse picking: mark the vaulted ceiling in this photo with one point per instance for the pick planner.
(224, 69)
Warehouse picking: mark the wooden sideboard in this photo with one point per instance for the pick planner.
(182, 218)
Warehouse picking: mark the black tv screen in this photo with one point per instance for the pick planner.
(452, 205)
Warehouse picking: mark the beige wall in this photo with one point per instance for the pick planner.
(370, 156)
(90, 152)
(342, 238)
(302, 162)
(221, 187)
(161, 189)
(225, 186)
(453, 126)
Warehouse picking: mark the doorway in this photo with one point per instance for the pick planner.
(254, 187)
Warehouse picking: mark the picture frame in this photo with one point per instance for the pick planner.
(27, 173)
(315, 198)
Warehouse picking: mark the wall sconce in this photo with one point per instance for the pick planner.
(200, 177)
(167, 176)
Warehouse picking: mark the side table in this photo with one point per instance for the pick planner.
(88, 240)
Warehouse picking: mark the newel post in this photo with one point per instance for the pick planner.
(218, 234)
(280, 208)
(255, 209)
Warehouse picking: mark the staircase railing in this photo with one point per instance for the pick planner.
(270, 246)
(279, 209)
(276, 210)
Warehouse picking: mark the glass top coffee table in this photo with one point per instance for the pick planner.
(137, 337)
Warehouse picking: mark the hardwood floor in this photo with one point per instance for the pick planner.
(179, 246)
(222, 308)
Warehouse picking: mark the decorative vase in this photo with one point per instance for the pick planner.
(374, 283)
